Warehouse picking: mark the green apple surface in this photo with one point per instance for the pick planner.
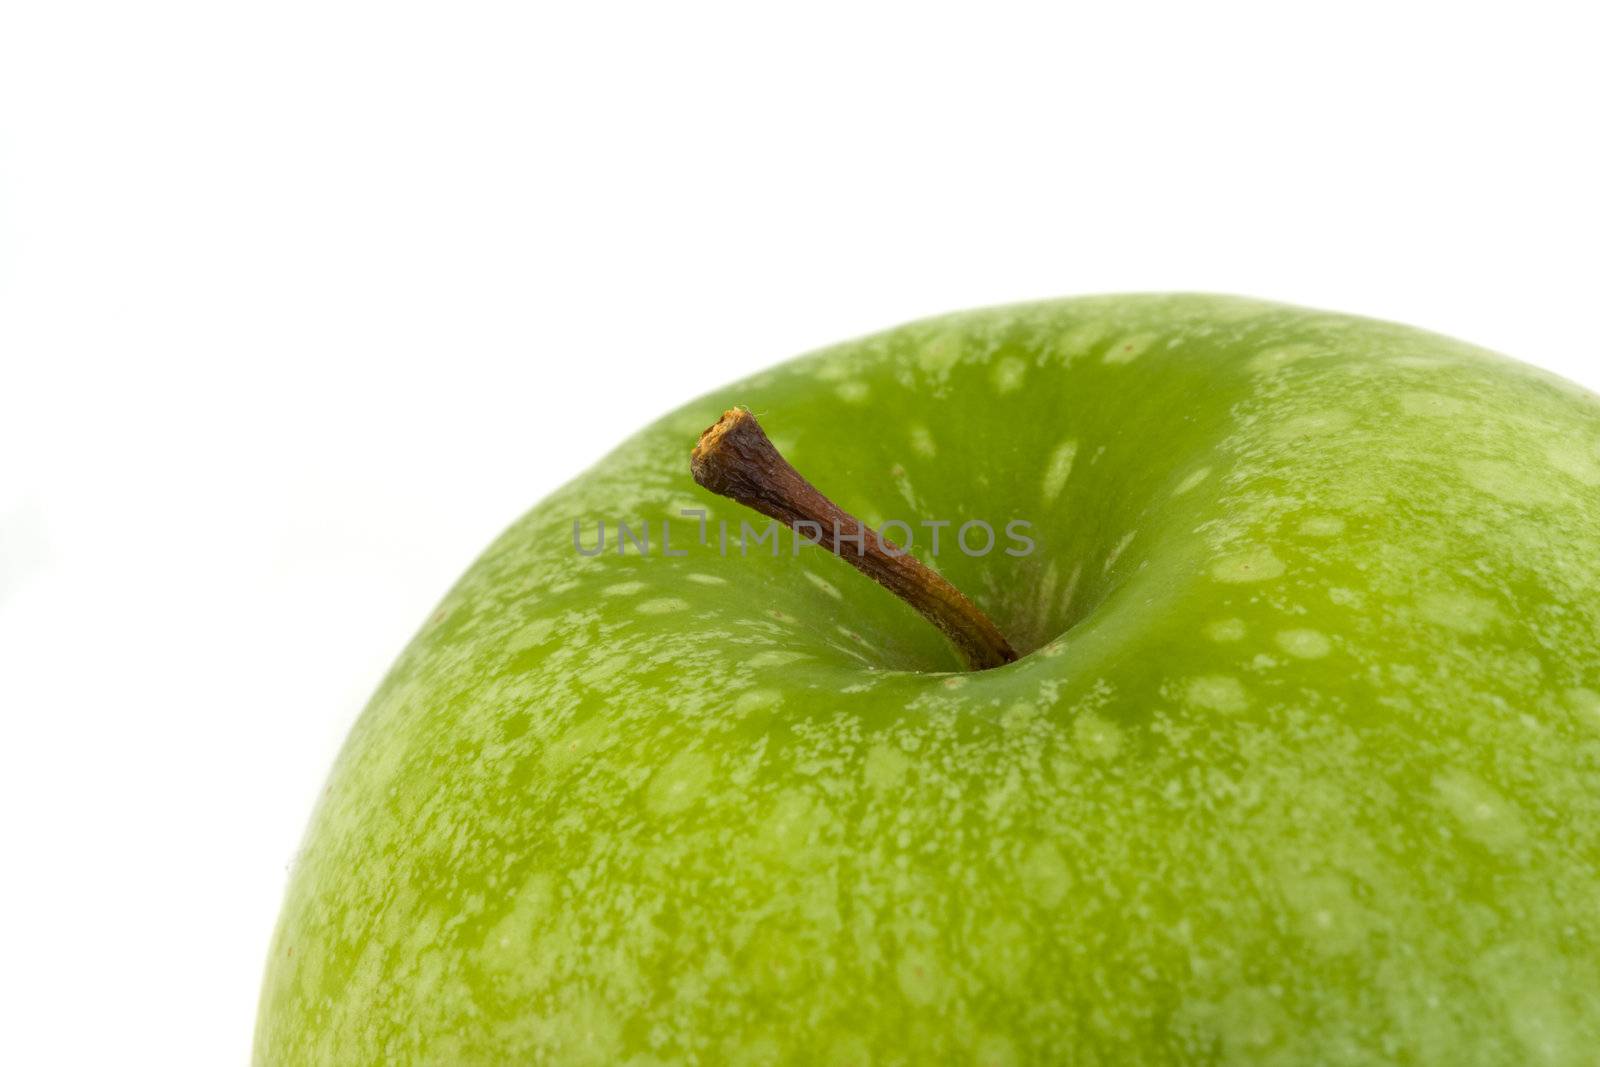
(1300, 763)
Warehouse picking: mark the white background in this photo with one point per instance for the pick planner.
(301, 303)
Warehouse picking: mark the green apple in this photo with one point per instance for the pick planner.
(1299, 764)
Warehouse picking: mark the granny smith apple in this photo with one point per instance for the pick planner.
(1298, 761)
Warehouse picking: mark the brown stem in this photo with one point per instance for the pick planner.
(735, 459)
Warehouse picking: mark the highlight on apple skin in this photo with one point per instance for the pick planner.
(1299, 762)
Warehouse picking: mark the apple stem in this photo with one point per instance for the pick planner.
(734, 458)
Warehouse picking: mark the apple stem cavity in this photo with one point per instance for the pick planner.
(734, 458)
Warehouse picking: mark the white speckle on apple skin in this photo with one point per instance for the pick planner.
(1128, 349)
(1216, 692)
(1432, 405)
(661, 605)
(1258, 564)
(1276, 359)
(1586, 702)
(757, 700)
(938, 357)
(1097, 737)
(1303, 643)
(1008, 375)
(1513, 482)
(921, 977)
(1192, 479)
(1327, 423)
(853, 392)
(1462, 612)
(1071, 591)
(1576, 459)
(1058, 469)
(1322, 526)
(679, 782)
(823, 584)
(776, 658)
(1045, 875)
(1481, 811)
(1226, 630)
(1118, 549)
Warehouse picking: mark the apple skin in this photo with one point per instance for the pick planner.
(1302, 764)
